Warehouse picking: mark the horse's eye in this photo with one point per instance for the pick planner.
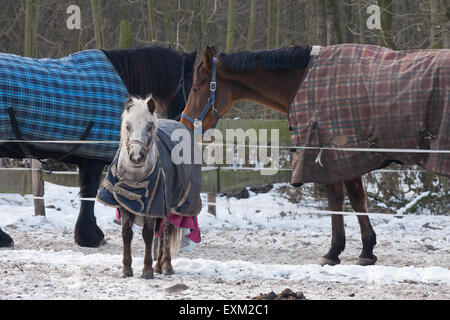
(196, 89)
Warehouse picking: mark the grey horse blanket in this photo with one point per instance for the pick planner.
(75, 97)
(365, 96)
(168, 188)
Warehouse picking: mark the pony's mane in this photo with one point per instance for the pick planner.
(147, 70)
(282, 58)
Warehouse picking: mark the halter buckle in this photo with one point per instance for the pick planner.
(197, 123)
(212, 86)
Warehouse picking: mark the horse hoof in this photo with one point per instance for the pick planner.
(127, 274)
(367, 261)
(148, 275)
(327, 261)
(168, 272)
(88, 235)
(5, 240)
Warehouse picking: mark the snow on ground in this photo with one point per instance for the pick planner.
(246, 250)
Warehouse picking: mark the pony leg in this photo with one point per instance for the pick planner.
(166, 261)
(357, 196)
(87, 233)
(5, 240)
(127, 236)
(147, 234)
(335, 203)
(158, 250)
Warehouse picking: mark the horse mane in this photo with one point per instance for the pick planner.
(147, 70)
(282, 58)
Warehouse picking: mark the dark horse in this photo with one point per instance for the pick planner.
(162, 72)
(273, 78)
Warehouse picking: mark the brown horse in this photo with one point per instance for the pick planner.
(348, 101)
(274, 87)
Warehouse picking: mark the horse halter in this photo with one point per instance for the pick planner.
(140, 143)
(209, 105)
(143, 145)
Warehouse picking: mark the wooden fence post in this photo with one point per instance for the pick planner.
(38, 187)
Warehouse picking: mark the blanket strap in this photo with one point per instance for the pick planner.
(76, 146)
(23, 146)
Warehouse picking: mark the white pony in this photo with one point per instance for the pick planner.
(137, 159)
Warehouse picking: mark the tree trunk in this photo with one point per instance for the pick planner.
(270, 23)
(96, 20)
(251, 25)
(230, 27)
(125, 34)
(437, 25)
(319, 22)
(151, 21)
(277, 24)
(169, 32)
(190, 34)
(362, 23)
(204, 24)
(385, 34)
(446, 30)
(336, 25)
(31, 27)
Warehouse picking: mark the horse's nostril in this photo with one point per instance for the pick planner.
(136, 159)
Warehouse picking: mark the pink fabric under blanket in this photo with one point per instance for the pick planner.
(183, 222)
(180, 222)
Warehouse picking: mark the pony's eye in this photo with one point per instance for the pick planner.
(128, 127)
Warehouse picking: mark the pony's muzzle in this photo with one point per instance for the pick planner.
(137, 157)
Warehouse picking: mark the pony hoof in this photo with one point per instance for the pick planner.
(367, 261)
(327, 261)
(148, 275)
(168, 272)
(158, 268)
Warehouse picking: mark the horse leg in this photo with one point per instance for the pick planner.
(164, 262)
(147, 234)
(357, 196)
(335, 193)
(87, 233)
(5, 240)
(127, 219)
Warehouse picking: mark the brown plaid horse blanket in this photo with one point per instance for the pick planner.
(365, 96)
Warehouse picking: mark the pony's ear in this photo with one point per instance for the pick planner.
(151, 105)
(208, 57)
(128, 103)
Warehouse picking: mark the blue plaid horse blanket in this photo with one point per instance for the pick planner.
(169, 187)
(63, 99)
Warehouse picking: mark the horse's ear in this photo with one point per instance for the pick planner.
(208, 57)
(128, 103)
(151, 105)
(214, 51)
